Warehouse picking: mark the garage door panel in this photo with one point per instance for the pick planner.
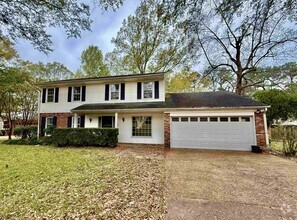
(213, 135)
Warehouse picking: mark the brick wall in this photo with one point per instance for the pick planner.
(260, 129)
(167, 130)
(61, 118)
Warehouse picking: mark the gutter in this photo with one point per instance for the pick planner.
(171, 109)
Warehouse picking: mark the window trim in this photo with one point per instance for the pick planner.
(53, 95)
(47, 125)
(110, 85)
(153, 89)
(80, 94)
(78, 121)
(151, 128)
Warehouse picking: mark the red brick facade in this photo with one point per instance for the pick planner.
(260, 129)
(167, 130)
(61, 118)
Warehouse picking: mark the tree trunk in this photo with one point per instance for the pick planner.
(9, 132)
(239, 89)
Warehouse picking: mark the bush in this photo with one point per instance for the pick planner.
(22, 142)
(26, 132)
(2, 132)
(46, 140)
(288, 136)
(49, 130)
(85, 137)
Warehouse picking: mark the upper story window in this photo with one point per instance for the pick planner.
(50, 95)
(148, 90)
(115, 91)
(76, 93)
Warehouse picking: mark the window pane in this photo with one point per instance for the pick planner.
(224, 119)
(50, 95)
(213, 119)
(76, 93)
(142, 126)
(49, 122)
(184, 119)
(175, 119)
(245, 119)
(234, 119)
(203, 119)
(193, 119)
(148, 90)
(115, 88)
(78, 122)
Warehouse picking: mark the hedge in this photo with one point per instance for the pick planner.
(26, 132)
(85, 137)
(22, 142)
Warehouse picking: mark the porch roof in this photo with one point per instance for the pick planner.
(200, 100)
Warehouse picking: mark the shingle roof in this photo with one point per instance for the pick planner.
(183, 100)
(65, 81)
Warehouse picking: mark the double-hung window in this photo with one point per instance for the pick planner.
(147, 90)
(115, 91)
(77, 93)
(78, 122)
(50, 95)
(49, 122)
(142, 126)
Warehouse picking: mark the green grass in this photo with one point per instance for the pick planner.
(276, 145)
(49, 182)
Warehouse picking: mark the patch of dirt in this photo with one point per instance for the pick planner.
(142, 152)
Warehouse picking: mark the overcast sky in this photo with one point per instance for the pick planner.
(67, 51)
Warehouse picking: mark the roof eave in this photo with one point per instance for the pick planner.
(168, 109)
(101, 79)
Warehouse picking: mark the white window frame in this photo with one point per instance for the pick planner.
(78, 122)
(110, 85)
(48, 95)
(47, 124)
(80, 94)
(153, 89)
(138, 136)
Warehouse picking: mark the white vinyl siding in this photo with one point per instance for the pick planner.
(96, 94)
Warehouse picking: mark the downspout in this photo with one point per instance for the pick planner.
(265, 128)
(38, 117)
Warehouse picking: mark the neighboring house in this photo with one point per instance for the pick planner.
(138, 106)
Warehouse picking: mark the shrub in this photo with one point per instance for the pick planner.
(26, 132)
(46, 140)
(49, 130)
(22, 142)
(85, 137)
(288, 136)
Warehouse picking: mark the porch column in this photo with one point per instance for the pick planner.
(116, 120)
(75, 120)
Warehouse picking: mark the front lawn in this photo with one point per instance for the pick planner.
(48, 182)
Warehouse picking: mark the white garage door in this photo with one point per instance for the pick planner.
(222, 133)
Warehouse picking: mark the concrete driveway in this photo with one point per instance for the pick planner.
(230, 185)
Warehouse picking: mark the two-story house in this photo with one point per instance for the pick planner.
(142, 111)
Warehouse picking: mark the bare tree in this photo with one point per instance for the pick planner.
(239, 35)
